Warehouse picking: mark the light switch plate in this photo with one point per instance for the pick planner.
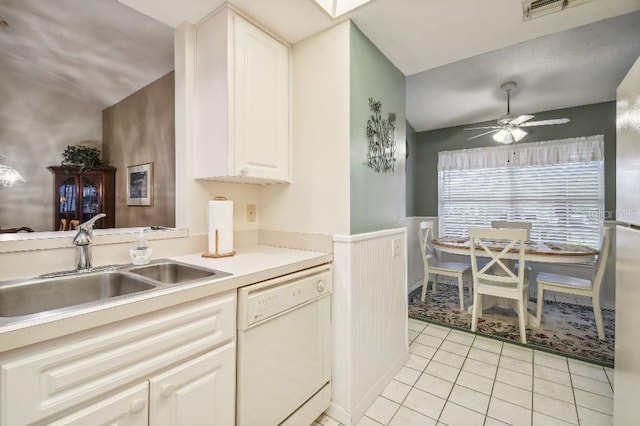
(395, 247)
(251, 212)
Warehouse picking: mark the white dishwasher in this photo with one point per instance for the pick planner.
(284, 349)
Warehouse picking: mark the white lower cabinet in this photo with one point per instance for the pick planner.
(196, 393)
(127, 408)
(175, 367)
(200, 392)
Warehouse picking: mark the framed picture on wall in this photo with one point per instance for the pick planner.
(140, 185)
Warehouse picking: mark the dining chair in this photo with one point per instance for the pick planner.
(436, 267)
(505, 224)
(578, 286)
(496, 277)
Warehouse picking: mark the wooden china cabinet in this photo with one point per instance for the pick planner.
(81, 194)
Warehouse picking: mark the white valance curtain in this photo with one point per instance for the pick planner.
(561, 151)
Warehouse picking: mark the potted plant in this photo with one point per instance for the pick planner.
(82, 156)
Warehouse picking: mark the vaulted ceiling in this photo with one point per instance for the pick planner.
(98, 51)
(579, 66)
(455, 53)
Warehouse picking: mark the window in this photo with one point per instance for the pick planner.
(562, 195)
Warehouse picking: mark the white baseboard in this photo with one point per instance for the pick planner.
(371, 396)
(339, 413)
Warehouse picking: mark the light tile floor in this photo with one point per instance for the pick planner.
(456, 378)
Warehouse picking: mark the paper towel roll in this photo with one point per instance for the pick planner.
(220, 220)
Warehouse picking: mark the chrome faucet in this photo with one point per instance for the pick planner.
(83, 240)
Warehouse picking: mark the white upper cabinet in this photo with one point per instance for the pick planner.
(242, 102)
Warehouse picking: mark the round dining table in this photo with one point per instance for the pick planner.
(543, 252)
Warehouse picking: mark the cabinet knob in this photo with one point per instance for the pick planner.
(137, 405)
(167, 390)
(320, 286)
(244, 170)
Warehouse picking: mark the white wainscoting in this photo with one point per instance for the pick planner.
(369, 319)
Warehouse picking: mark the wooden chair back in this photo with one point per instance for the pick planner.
(504, 224)
(498, 270)
(425, 234)
(601, 263)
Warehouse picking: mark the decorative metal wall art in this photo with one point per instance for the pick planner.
(381, 156)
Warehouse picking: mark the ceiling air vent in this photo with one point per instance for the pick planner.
(535, 8)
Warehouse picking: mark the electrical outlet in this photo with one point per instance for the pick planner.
(395, 247)
(251, 212)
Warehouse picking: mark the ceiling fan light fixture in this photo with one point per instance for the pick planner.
(507, 136)
(518, 134)
(502, 136)
(508, 129)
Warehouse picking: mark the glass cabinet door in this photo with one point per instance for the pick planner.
(90, 198)
(68, 192)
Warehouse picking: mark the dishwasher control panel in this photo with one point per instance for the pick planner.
(263, 300)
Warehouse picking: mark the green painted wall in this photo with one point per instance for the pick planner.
(377, 199)
(411, 169)
(587, 120)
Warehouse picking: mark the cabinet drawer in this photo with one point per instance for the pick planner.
(44, 379)
(127, 408)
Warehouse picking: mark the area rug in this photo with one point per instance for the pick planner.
(567, 329)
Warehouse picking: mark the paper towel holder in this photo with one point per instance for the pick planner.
(216, 254)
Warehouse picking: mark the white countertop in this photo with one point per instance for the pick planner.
(250, 265)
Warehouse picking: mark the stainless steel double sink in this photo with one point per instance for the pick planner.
(66, 291)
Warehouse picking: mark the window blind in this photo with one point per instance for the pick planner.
(564, 202)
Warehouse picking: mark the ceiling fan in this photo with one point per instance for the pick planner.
(509, 128)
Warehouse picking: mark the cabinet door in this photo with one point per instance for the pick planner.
(127, 408)
(90, 194)
(260, 104)
(200, 392)
(67, 201)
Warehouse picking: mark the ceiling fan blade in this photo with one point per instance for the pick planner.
(480, 128)
(482, 134)
(545, 122)
(521, 119)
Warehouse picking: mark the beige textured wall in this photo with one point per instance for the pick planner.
(141, 129)
(317, 201)
(36, 125)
